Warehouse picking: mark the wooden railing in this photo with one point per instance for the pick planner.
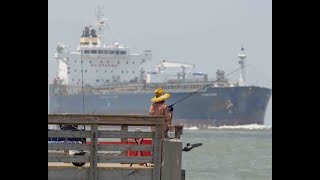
(95, 149)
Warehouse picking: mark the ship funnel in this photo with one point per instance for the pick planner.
(93, 33)
(86, 31)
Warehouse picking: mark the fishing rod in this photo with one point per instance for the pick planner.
(171, 106)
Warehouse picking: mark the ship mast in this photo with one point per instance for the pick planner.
(242, 57)
(100, 24)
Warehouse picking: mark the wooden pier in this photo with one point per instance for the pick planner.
(111, 161)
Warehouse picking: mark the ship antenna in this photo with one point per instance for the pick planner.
(100, 24)
(192, 93)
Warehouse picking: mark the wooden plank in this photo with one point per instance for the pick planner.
(69, 134)
(99, 165)
(124, 134)
(124, 128)
(114, 174)
(125, 174)
(93, 153)
(60, 157)
(124, 159)
(125, 147)
(68, 173)
(104, 119)
(157, 152)
(62, 146)
(101, 115)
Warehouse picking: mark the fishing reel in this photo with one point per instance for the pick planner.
(170, 108)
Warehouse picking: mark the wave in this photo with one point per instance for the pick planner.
(191, 128)
(250, 127)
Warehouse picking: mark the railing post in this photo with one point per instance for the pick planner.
(171, 159)
(157, 151)
(93, 152)
(124, 128)
(178, 130)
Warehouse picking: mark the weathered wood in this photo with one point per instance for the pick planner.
(125, 147)
(124, 159)
(67, 173)
(183, 174)
(124, 128)
(126, 174)
(100, 165)
(178, 131)
(102, 173)
(104, 119)
(93, 153)
(62, 146)
(171, 159)
(124, 134)
(60, 157)
(90, 170)
(157, 152)
(69, 134)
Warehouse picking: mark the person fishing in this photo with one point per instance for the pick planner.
(159, 108)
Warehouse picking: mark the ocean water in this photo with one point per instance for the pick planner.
(228, 153)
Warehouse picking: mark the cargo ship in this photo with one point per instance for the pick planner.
(108, 79)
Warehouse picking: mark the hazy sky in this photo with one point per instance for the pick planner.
(208, 33)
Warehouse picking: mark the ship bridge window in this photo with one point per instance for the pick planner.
(127, 62)
(97, 80)
(122, 52)
(93, 51)
(86, 51)
(133, 62)
(117, 52)
(100, 51)
(106, 51)
(118, 62)
(111, 52)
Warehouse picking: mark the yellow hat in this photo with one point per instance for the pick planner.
(160, 95)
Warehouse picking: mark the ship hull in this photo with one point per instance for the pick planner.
(215, 106)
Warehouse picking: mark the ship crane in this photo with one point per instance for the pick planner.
(170, 64)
